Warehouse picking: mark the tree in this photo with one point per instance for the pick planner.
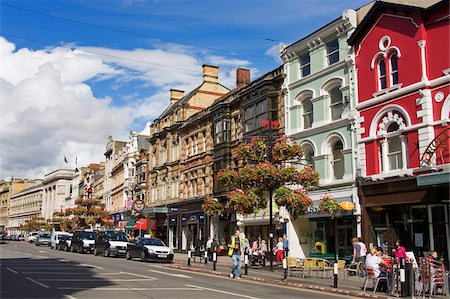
(34, 224)
(88, 212)
(247, 185)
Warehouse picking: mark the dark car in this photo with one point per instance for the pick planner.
(64, 242)
(83, 241)
(43, 238)
(111, 242)
(149, 249)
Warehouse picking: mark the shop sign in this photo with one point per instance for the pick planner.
(347, 205)
(138, 205)
(313, 211)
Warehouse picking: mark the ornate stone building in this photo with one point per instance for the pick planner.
(7, 189)
(113, 147)
(166, 146)
(57, 191)
(25, 204)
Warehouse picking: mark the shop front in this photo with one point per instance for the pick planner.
(414, 210)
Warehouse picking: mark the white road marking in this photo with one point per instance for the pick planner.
(13, 271)
(130, 289)
(69, 297)
(138, 275)
(223, 292)
(41, 256)
(63, 261)
(42, 251)
(91, 266)
(69, 273)
(49, 268)
(94, 279)
(170, 274)
(37, 282)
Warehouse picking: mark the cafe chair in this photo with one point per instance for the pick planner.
(376, 280)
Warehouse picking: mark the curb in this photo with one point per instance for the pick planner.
(283, 283)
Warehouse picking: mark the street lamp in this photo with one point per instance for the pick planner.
(270, 124)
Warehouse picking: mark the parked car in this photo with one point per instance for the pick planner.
(111, 242)
(56, 236)
(32, 236)
(43, 238)
(149, 249)
(64, 242)
(20, 237)
(83, 241)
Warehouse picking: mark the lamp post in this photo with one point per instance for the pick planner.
(270, 124)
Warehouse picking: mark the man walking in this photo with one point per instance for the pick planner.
(235, 250)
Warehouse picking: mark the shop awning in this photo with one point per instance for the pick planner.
(141, 224)
(130, 224)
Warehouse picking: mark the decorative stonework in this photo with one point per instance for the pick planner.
(391, 117)
(439, 96)
(385, 49)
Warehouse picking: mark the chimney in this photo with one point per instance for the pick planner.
(176, 95)
(242, 77)
(210, 73)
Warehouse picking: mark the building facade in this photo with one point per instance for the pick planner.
(403, 78)
(320, 99)
(57, 188)
(166, 147)
(24, 205)
(113, 147)
(7, 189)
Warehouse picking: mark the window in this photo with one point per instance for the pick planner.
(394, 69)
(338, 160)
(336, 103)
(305, 65)
(307, 113)
(308, 155)
(382, 74)
(222, 131)
(332, 51)
(255, 114)
(394, 149)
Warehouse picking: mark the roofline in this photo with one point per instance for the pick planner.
(376, 6)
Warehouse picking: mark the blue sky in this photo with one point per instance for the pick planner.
(113, 62)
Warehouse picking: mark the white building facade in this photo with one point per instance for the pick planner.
(57, 188)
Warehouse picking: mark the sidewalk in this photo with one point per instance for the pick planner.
(350, 287)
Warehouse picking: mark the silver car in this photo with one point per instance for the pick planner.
(43, 239)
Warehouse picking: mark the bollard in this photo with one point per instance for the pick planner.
(336, 273)
(214, 260)
(206, 256)
(189, 257)
(402, 278)
(285, 269)
(246, 263)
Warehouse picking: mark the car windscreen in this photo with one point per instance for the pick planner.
(88, 235)
(65, 237)
(153, 242)
(117, 236)
(44, 236)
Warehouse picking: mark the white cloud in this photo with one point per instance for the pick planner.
(49, 110)
(274, 52)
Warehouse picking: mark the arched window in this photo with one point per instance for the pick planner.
(382, 84)
(336, 103)
(338, 160)
(308, 155)
(394, 148)
(307, 113)
(394, 69)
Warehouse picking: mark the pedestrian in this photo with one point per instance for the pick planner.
(363, 254)
(356, 257)
(262, 252)
(246, 246)
(278, 251)
(400, 251)
(235, 250)
(285, 245)
(208, 248)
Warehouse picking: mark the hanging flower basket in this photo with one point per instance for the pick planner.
(267, 176)
(253, 152)
(212, 206)
(284, 150)
(308, 178)
(229, 178)
(328, 204)
(247, 176)
(289, 174)
(244, 202)
(296, 202)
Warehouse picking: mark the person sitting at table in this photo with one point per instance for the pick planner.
(374, 262)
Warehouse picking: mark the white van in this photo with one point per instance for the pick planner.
(55, 237)
(32, 236)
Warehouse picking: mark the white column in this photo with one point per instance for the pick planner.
(423, 61)
(384, 155)
(404, 142)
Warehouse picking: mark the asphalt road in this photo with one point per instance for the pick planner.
(28, 271)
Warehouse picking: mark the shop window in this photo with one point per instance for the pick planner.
(307, 113)
(332, 51)
(305, 65)
(338, 161)
(337, 107)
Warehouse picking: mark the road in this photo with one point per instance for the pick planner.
(28, 271)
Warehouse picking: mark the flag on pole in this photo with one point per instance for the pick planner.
(65, 160)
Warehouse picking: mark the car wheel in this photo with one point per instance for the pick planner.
(143, 256)
(128, 255)
(106, 253)
(37, 244)
(95, 251)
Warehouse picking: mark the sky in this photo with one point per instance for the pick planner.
(74, 72)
